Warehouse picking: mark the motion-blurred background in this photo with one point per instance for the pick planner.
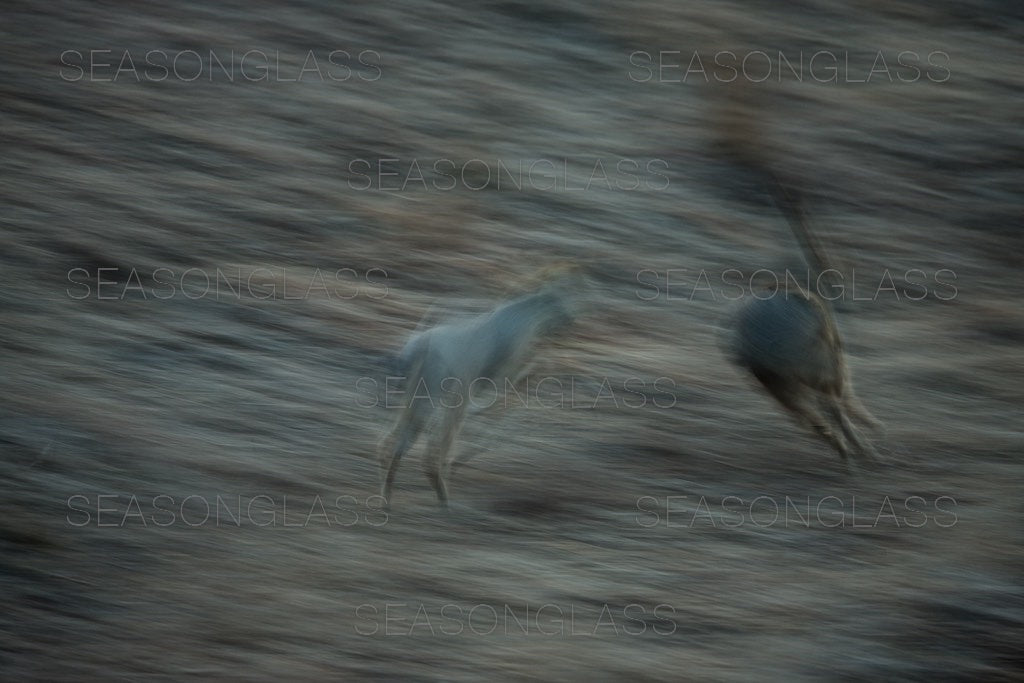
(221, 220)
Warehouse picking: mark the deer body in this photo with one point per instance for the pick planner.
(447, 365)
(790, 343)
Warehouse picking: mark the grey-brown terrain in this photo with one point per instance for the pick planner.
(213, 246)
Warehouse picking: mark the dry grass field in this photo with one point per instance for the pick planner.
(220, 222)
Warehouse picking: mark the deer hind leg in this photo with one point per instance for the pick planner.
(794, 397)
(440, 444)
(856, 410)
(396, 444)
(819, 424)
(835, 406)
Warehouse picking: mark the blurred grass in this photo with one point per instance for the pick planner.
(245, 396)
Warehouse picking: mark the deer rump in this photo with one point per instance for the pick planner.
(788, 336)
